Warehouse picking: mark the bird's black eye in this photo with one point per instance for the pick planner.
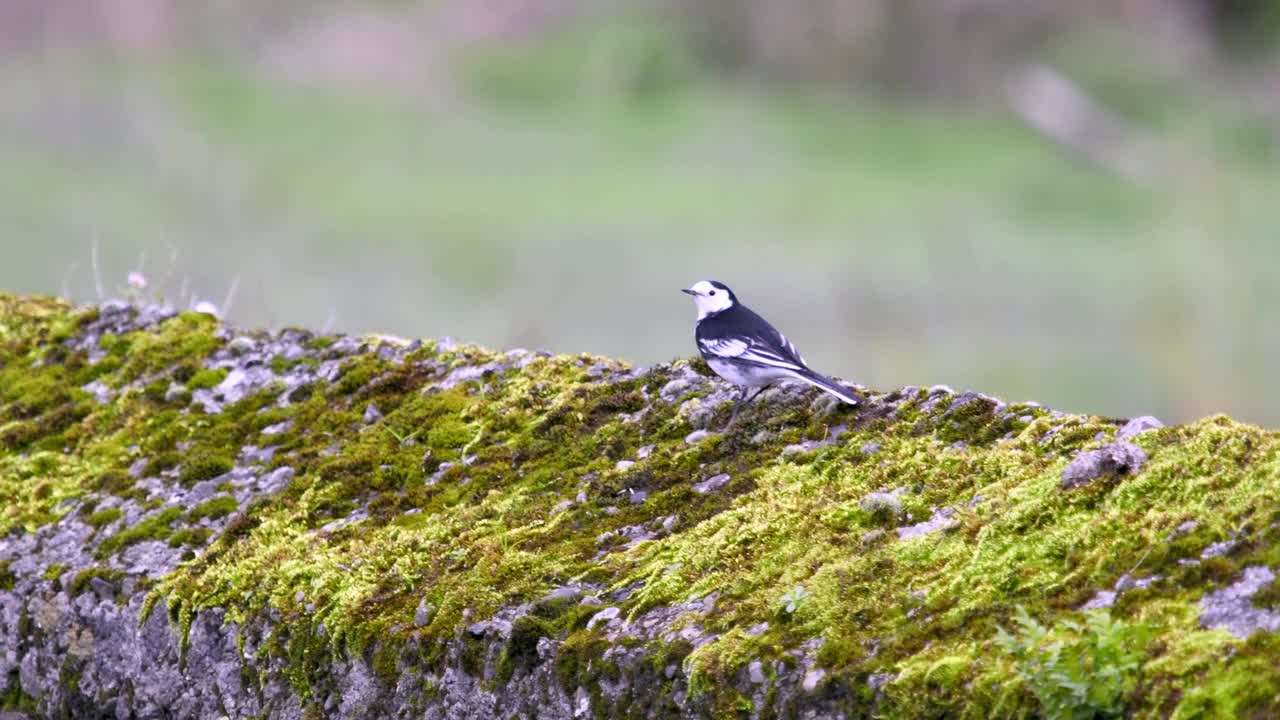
(713, 292)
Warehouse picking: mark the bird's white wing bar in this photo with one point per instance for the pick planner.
(766, 355)
(723, 347)
(791, 346)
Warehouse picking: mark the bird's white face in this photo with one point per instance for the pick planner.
(710, 298)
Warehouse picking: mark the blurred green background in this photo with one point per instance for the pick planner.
(1075, 203)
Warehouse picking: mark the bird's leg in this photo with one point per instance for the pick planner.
(744, 400)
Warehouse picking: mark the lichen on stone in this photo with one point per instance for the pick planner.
(296, 525)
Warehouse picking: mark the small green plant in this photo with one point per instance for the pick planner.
(402, 438)
(794, 599)
(1077, 671)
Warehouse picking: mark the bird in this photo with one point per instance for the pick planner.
(743, 348)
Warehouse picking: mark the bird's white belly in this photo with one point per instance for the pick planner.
(739, 374)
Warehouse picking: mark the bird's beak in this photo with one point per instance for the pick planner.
(687, 291)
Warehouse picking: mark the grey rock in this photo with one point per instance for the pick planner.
(812, 678)
(423, 615)
(793, 450)
(371, 414)
(278, 428)
(99, 390)
(1137, 426)
(1218, 548)
(878, 681)
(1118, 458)
(564, 594)
(711, 484)
(696, 436)
(603, 616)
(870, 448)
(755, 672)
(941, 520)
(1101, 599)
(257, 455)
(883, 502)
(623, 465)
(1231, 610)
(241, 344)
(673, 390)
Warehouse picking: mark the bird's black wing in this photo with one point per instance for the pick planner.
(741, 335)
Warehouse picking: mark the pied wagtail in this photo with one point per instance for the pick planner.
(743, 348)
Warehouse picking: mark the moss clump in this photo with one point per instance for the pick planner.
(189, 536)
(7, 578)
(205, 379)
(115, 482)
(204, 465)
(80, 583)
(54, 572)
(153, 527)
(103, 518)
(450, 434)
(214, 508)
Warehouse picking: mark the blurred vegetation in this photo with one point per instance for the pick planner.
(547, 173)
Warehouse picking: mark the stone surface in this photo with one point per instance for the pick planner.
(1118, 458)
(454, 533)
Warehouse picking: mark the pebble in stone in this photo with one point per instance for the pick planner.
(371, 414)
(603, 616)
(622, 465)
(755, 672)
(278, 428)
(1118, 458)
(941, 520)
(1231, 608)
(674, 389)
(812, 678)
(425, 612)
(1137, 426)
(711, 484)
(696, 436)
(877, 681)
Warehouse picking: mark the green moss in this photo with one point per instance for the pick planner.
(152, 527)
(115, 482)
(449, 434)
(204, 465)
(214, 508)
(103, 518)
(80, 583)
(503, 524)
(13, 699)
(7, 578)
(162, 462)
(205, 379)
(54, 572)
(190, 536)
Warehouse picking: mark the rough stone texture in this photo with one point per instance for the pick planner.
(1118, 458)
(200, 522)
(1230, 608)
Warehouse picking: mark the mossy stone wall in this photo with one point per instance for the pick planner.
(197, 521)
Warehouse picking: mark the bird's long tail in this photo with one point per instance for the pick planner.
(826, 384)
